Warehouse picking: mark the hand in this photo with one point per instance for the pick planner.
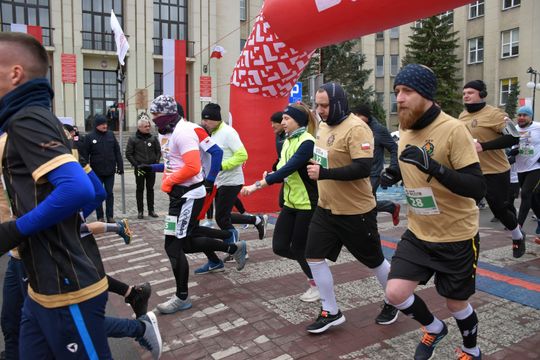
(419, 157)
(478, 147)
(513, 152)
(248, 190)
(313, 170)
(145, 167)
(120, 171)
(209, 186)
(389, 177)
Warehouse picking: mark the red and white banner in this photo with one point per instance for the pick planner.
(122, 45)
(32, 30)
(69, 68)
(217, 52)
(174, 70)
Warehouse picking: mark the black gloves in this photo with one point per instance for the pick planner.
(10, 235)
(209, 186)
(419, 157)
(120, 171)
(390, 176)
(513, 152)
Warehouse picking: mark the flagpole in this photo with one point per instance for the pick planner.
(121, 99)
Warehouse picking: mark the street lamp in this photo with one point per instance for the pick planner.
(533, 85)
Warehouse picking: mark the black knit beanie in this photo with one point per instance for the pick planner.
(211, 112)
(418, 77)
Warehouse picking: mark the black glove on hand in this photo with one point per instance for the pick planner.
(419, 157)
(120, 171)
(512, 159)
(10, 235)
(389, 177)
(209, 186)
(513, 152)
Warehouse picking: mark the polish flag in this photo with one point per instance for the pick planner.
(174, 70)
(32, 30)
(217, 52)
(366, 146)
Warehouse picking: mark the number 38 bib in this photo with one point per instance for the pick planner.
(422, 201)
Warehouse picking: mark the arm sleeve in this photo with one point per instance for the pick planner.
(192, 166)
(118, 154)
(101, 194)
(299, 159)
(358, 169)
(239, 157)
(467, 182)
(217, 156)
(158, 167)
(72, 190)
(390, 145)
(130, 151)
(157, 149)
(504, 141)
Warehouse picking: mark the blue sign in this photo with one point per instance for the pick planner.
(296, 93)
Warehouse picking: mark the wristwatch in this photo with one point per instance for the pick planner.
(258, 184)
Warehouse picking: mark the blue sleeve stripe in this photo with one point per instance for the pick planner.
(158, 167)
(217, 156)
(83, 331)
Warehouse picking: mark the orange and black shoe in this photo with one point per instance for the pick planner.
(324, 321)
(424, 350)
(462, 355)
(124, 231)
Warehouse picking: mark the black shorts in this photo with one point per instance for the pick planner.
(358, 233)
(452, 263)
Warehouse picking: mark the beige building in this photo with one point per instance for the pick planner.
(498, 42)
(82, 28)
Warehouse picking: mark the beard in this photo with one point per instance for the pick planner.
(409, 116)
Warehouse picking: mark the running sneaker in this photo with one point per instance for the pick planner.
(208, 223)
(311, 295)
(424, 350)
(240, 255)
(395, 214)
(462, 355)
(261, 226)
(124, 231)
(210, 267)
(388, 315)
(325, 321)
(151, 339)
(174, 304)
(234, 236)
(138, 298)
(518, 246)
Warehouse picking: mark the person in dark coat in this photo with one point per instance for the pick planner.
(102, 152)
(143, 148)
(383, 141)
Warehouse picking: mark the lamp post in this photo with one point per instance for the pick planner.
(533, 85)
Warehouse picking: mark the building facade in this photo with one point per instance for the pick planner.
(82, 28)
(498, 42)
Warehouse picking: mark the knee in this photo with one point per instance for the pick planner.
(456, 305)
(395, 295)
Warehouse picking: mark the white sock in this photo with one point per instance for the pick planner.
(381, 272)
(406, 304)
(475, 351)
(516, 233)
(325, 282)
(435, 327)
(463, 314)
(257, 220)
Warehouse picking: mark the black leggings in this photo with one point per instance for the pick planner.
(498, 187)
(225, 199)
(530, 194)
(290, 236)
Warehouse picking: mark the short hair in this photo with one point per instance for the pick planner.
(277, 117)
(38, 60)
(143, 120)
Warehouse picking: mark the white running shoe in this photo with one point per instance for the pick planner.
(173, 305)
(311, 295)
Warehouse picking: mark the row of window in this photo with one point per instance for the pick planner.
(509, 46)
(379, 65)
(476, 9)
(505, 88)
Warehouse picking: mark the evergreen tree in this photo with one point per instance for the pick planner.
(342, 64)
(511, 104)
(434, 44)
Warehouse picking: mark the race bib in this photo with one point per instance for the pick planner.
(421, 201)
(170, 225)
(321, 156)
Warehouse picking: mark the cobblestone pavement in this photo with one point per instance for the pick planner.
(256, 313)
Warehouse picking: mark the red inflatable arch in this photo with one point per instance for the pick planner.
(284, 37)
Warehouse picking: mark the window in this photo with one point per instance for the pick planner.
(508, 4)
(393, 103)
(447, 15)
(506, 85)
(476, 9)
(418, 24)
(379, 97)
(510, 43)
(379, 65)
(96, 29)
(170, 22)
(243, 10)
(394, 33)
(158, 84)
(29, 12)
(100, 92)
(394, 65)
(379, 35)
(476, 50)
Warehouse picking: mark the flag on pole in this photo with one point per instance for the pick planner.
(33, 30)
(217, 52)
(174, 70)
(122, 45)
